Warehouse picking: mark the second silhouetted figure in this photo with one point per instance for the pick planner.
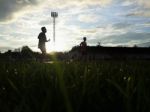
(83, 46)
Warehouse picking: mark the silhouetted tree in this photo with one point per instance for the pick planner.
(135, 46)
(17, 50)
(26, 52)
(99, 44)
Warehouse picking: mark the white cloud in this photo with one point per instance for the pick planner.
(88, 18)
(127, 3)
(82, 3)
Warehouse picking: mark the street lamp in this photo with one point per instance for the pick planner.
(54, 15)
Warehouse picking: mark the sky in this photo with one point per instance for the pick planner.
(110, 22)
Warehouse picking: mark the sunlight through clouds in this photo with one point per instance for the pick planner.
(111, 22)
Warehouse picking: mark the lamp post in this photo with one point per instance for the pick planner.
(54, 15)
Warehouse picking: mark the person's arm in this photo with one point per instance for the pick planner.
(48, 40)
(80, 44)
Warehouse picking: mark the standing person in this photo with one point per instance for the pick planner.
(42, 39)
(83, 48)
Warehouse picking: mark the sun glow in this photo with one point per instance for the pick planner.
(61, 42)
(56, 46)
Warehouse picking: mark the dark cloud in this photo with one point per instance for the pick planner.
(10, 7)
(127, 38)
(140, 12)
(131, 38)
(146, 44)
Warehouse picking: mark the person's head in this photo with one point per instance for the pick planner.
(44, 29)
(84, 38)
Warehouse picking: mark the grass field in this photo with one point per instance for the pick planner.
(104, 86)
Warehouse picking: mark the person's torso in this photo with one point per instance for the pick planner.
(83, 46)
(42, 37)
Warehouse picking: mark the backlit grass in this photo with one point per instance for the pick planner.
(115, 86)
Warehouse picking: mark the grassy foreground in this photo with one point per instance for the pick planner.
(105, 86)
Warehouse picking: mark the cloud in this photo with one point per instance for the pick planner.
(88, 18)
(45, 22)
(122, 25)
(142, 13)
(4, 49)
(70, 3)
(135, 8)
(99, 34)
(127, 3)
(129, 38)
(144, 3)
(146, 24)
(10, 9)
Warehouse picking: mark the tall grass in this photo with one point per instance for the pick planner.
(116, 86)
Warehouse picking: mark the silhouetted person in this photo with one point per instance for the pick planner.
(83, 48)
(42, 39)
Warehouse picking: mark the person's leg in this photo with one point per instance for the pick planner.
(43, 53)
